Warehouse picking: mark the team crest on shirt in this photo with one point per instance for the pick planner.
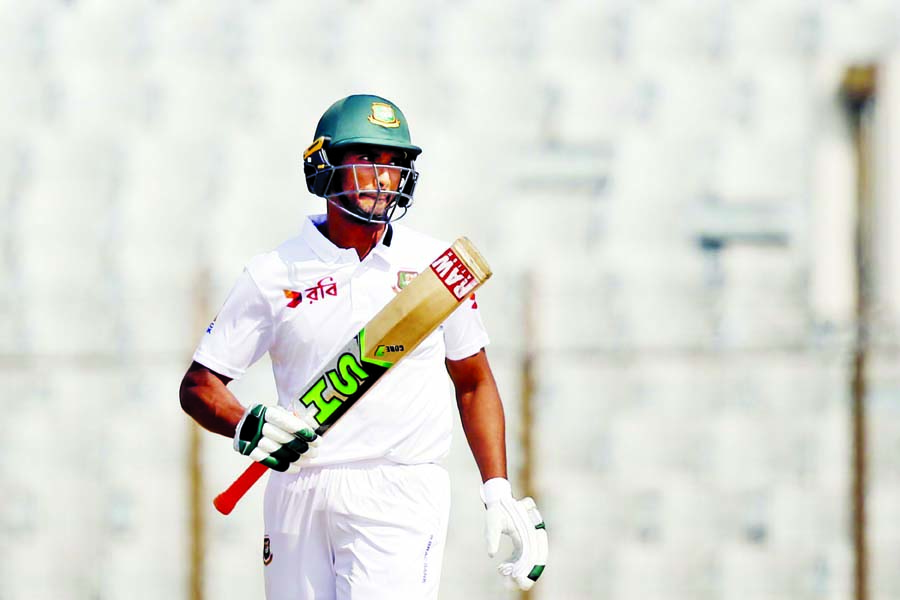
(403, 279)
(267, 551)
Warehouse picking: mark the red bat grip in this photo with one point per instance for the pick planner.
(225, 501)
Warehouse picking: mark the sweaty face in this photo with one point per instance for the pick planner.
(366, 177)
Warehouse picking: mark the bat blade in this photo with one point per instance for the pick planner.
(392, 334)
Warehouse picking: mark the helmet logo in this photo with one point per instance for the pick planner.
(383, 115)
(317, 145)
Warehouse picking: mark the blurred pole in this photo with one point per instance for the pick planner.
(198, 523)
(528, 369)
(196, 505)
(858, 92)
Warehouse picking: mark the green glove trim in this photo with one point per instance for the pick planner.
(251, 430)
(536, 572)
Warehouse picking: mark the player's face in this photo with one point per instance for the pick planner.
(376, 170)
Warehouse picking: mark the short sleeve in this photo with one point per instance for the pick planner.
(464, 333)
(240, 334)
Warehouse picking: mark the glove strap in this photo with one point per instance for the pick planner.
(494, 490)
(237, 430)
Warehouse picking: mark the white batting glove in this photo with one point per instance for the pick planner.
(275, 437)
(521, 521)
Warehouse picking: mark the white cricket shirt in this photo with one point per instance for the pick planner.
(306, 299)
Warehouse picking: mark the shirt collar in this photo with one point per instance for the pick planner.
(321, 246)
(329, 253)
(383, 250)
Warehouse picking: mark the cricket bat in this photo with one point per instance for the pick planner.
(392, 334)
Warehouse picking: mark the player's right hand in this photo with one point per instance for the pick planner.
(521, 521)
(275, 437)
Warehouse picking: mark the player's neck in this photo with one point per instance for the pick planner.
(345, 232)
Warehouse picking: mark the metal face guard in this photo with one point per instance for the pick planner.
(400, 198)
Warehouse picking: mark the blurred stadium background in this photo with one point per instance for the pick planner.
(669, 191)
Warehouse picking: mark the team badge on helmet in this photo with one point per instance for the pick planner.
(383, 114)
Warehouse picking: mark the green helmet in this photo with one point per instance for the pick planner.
(360, 120)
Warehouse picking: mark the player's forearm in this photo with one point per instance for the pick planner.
(205, 398)
(481, 413)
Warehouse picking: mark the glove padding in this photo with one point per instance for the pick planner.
(521, 521)
(275, 437)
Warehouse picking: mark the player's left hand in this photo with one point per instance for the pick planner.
(275, 437)
(521, 521)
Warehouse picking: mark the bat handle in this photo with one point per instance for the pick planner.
(225, 501)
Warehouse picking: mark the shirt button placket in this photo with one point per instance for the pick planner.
(359, 299)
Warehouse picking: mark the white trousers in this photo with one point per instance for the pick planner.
(368, 530)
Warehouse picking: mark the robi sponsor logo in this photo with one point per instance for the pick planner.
(323, 288)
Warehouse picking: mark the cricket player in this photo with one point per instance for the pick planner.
(362, 512)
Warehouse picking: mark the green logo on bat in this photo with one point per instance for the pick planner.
(335, 386)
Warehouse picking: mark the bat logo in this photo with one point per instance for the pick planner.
(335, 386)
(384, 349)
(454, 274)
